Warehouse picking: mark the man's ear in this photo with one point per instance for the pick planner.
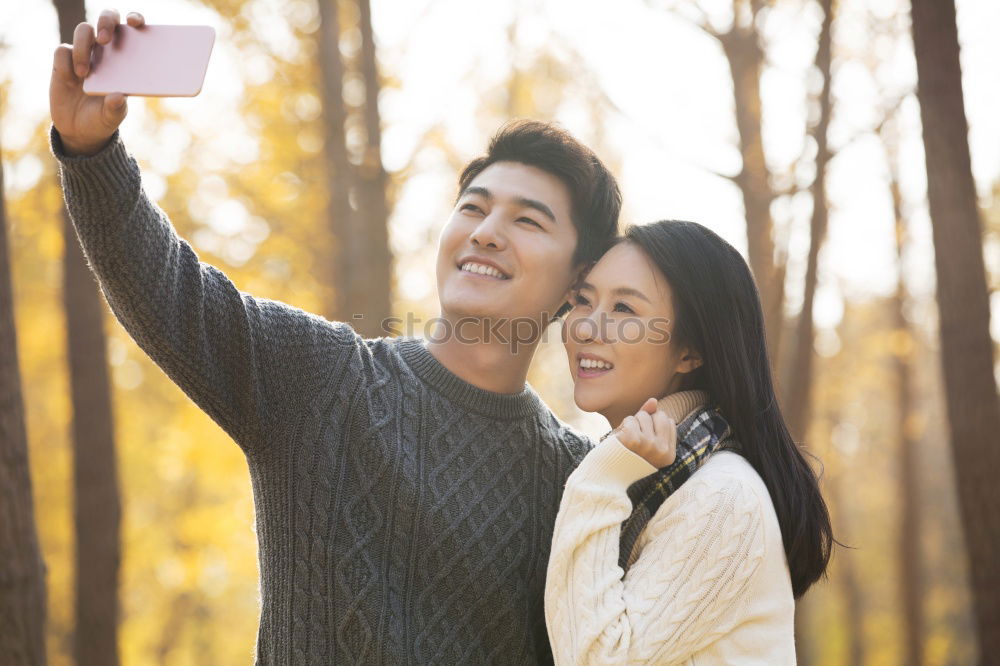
(580, 270)
(569, 293)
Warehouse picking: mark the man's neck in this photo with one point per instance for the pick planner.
(496, 365)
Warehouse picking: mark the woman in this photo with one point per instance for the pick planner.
(707, 572)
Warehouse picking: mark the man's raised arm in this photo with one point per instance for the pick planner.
(247, 362)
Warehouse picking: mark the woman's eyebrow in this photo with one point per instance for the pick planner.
(618, 291)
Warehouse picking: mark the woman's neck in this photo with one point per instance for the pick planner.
(677, 406)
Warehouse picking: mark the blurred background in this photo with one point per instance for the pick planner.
(790, 127)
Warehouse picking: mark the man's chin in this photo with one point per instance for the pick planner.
(472, 309)
(468, 303)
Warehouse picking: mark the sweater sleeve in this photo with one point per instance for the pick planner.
(245, 361)
(684, 590)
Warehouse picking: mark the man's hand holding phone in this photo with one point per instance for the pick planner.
(86, 122)
(91, 78)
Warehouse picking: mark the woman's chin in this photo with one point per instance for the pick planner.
(591, 401)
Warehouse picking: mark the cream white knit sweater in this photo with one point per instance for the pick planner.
(709, 584)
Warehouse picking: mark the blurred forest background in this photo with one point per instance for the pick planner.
(317, 167)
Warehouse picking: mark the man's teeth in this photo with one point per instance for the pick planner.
(592, 363)
(482, 269)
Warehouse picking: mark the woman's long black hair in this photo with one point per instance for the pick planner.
(717, 312)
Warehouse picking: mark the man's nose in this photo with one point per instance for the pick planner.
(488, 233)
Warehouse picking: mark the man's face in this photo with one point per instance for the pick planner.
(506, 251)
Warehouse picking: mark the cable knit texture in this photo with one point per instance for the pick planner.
(403, 516)
(710, 583)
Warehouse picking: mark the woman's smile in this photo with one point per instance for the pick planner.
(589, 366)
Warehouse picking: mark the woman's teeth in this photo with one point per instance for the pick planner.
(592, 363)
(482, 269)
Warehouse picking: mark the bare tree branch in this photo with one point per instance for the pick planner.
(697, 16)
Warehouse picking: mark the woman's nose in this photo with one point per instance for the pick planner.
(590, 328)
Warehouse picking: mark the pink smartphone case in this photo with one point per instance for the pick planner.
(153, 61)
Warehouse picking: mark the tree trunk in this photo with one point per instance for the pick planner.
(22, 571)
(797, 392)
(373, 213)
(742, 46)
(911, 584)
(854, 603)
(966, 346)
(348, 262)
(97, 503)
(97, 514)
(798, 389)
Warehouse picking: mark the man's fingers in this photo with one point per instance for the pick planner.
(135, 19)
(114, 100)
(114, 109)
(62, 63)
(83, 42)
(106, 24)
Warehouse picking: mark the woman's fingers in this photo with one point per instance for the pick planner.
(666, 437)
(652, 436)
(645, 421)
(135, 19)
(83, 42)
(628, 432)
(663, 425)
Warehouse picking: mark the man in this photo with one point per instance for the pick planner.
(405, 492)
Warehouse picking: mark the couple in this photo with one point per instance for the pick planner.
(415, 501)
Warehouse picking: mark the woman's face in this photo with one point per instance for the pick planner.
(617, 336)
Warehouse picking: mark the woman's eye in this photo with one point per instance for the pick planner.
(621, 307)
(580, 300)
(530, 221)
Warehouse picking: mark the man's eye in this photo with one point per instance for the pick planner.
(530, 221)
(472, 207)
(621, 307)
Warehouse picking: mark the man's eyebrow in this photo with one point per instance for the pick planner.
(476, 189)
(618, 291)
(537, 205)
(521, 201)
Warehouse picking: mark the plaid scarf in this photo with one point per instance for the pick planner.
(702, 433)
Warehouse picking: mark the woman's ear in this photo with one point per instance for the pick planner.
(690, 360)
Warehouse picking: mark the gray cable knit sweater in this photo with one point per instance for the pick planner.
(403, 515)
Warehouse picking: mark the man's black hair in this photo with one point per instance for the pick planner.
(594, 194)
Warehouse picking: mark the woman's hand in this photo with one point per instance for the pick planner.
(651, 434)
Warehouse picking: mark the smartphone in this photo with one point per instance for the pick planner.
(151, 61)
